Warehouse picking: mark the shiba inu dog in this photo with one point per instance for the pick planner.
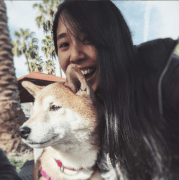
(65, 123)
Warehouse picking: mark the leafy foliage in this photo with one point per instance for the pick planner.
(25, 44)
(49, 67)
(17, 164)
(37, 64)
(48, 48)
(177, 50)
(47, 10)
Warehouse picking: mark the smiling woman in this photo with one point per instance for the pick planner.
(131, 82)
(77, 49)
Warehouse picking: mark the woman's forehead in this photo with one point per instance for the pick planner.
(61, 27)
(65, 29)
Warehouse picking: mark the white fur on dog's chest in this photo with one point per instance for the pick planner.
(49, 164)
(79, 156)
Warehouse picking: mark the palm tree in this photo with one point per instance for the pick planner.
(37, 64)
(23, 45)
(49, 49)
(11, 115)
(48, 66)
(47, 9)
(32, 52)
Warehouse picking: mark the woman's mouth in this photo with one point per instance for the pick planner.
(88, 73)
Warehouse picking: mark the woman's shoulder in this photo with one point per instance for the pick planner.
(160, 41)
(154, 54)
(154, 57)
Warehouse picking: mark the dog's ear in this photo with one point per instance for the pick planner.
(76, 81)
(31, 88)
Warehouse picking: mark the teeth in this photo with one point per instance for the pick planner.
(84, 72)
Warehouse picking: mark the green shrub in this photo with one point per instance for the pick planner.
(17, 164)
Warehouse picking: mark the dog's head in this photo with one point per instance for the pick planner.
(64, 113)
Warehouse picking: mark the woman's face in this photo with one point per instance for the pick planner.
(79, 52)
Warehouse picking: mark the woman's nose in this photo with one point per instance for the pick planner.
(77, 53)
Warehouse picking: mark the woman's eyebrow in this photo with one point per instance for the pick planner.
(62, 35)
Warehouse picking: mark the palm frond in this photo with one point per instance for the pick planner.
(40, 20)
(35, 5)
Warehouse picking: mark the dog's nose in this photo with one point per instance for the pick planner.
(24, 132)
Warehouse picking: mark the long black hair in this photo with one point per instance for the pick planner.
(133, 128)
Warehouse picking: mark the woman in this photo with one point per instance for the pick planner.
(140, 130)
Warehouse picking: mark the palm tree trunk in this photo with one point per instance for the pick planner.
(60, 70)
(29, 67)
(11, 115)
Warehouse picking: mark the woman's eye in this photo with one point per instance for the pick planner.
(64, 45)
(54, 108)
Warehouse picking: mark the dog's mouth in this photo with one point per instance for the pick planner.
(42, 144)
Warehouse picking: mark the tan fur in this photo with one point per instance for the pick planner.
(36, 169)
(77, 143)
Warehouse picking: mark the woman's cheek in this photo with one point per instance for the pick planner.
(63, 62)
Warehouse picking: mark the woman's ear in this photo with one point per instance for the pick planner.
(76, 81)
(32, 88)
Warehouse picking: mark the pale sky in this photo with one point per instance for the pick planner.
(147, 20)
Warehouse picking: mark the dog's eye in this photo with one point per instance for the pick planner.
(54, 108)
